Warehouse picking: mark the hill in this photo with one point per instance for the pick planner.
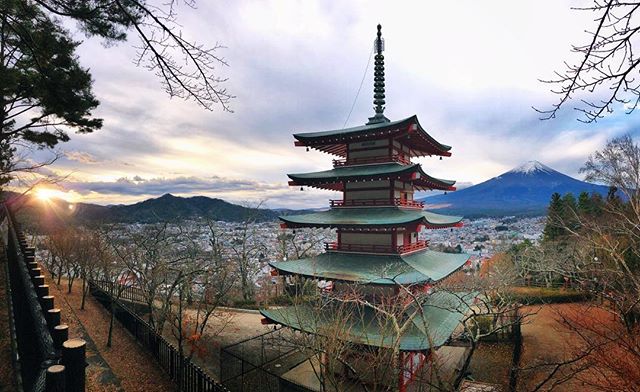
(167, 208)
(524, 190)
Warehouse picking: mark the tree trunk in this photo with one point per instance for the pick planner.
(84, 292)
(110, 325)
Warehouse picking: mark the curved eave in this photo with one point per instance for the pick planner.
(409, 129)
(441, 314)
(333, 179)
(372, 217)
(361, 268)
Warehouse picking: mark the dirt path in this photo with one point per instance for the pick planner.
(134, 369)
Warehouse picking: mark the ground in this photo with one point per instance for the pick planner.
(491, 363)
(131, 368)
(545, 341)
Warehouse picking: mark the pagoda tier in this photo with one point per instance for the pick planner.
(372, 218)
(432, 327)
(404, 176)
(407, 132)
(414, 268)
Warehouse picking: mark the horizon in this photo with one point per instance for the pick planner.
(52, 194)
(151, 145)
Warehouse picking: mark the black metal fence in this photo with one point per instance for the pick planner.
(35, 347)
(122, 292)
(188, 377)
(258, 363)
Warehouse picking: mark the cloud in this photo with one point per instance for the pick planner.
(82, 157)
(296, 66)
(157, 186)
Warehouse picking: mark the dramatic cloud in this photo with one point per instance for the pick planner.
(469, 70)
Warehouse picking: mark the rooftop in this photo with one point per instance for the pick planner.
(419, 267)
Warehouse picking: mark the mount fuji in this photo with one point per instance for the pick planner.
(524, 190)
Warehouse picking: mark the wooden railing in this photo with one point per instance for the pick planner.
(366, 160)
(373, 248)
(377, 202)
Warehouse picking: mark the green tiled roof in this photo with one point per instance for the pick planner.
(371, 216)
(442, 313)
(369, 128)
(417, 267)
(367, 172)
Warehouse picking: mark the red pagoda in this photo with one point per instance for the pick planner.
(377, 222)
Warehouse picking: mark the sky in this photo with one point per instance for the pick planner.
(470, 70)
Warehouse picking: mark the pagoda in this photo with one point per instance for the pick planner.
(377, 222)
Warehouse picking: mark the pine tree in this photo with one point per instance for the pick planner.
(554, 228)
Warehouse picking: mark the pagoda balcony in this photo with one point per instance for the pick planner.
(377, 203)
(378, 249)
(369, 160)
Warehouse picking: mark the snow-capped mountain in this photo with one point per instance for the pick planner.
(524, 190)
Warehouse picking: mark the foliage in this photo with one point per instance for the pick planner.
(44, 91)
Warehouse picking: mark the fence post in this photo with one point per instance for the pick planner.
(53, 318)
(47, 303)
(74, 360)
(55, 380)
(60, 335)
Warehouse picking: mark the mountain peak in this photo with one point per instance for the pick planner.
(531, 167)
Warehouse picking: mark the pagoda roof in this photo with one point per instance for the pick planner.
(332, 179)
(430, 328)
(418, 267)
(371, 217)
(408, 131)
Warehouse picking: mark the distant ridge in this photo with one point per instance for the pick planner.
(166, 208)
(523, 190)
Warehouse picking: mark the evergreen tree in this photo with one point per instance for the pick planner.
(45, 93)
(585, 206)
(43, 89)
(553, 228)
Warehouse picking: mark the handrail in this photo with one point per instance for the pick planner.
(374, 248)
(377, 202)
(365, 160)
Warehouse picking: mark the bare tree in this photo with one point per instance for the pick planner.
(186, 68)
(607, 349)
(608, 68)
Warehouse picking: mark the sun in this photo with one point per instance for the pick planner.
(46, 194)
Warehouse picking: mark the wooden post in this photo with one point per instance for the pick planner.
(38, 280)
(31, 265)
(55, 381)
(35, 272)
(47, 303)
(74, 360)
(42, 290)
(60, 335)
(53, 318)
(30, 251)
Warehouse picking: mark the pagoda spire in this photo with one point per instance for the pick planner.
(378, 81)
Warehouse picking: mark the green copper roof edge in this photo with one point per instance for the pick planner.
(415, 276)
(425, 216)
(300, 178)
(305, 136)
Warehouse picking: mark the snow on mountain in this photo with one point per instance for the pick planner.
(524, 190)
(531, 167)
